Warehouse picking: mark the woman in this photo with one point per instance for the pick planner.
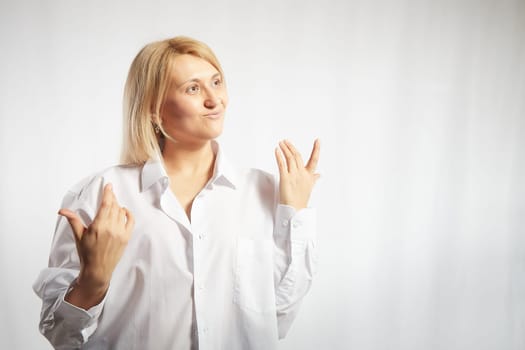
(178, 249)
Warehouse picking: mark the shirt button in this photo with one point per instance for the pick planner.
(200, 286)
(296, 224)
(202, 235)
(284, 223)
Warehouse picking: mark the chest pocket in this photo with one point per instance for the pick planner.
(254, 285)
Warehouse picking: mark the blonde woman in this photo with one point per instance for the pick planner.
(177, 248)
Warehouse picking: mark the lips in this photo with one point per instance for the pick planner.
(214, 115)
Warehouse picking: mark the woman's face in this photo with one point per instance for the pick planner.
(193, 110)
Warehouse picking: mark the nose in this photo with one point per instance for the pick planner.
(212, 99)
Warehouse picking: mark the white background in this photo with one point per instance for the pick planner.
(420, 109)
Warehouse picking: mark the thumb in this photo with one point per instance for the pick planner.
(74, 221)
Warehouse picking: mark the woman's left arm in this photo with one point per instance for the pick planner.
(294, 231)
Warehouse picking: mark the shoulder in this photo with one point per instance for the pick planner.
(122, 178)
(260, 175)
(257, 179)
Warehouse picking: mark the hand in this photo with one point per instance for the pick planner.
(296, 179)
(100, 245)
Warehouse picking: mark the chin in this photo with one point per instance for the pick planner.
(216, 134)
(211, 134)
(217, 130)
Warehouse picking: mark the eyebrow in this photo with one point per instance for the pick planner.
(197, 80)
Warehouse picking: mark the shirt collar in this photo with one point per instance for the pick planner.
(152, 172)
(224, 174)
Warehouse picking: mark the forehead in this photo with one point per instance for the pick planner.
(188, 67)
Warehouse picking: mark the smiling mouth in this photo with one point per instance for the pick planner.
(214, 115)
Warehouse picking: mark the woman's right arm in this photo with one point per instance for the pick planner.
(100, 247)
(81, 262)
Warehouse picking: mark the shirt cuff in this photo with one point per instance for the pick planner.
(76, 315)
(295, 225)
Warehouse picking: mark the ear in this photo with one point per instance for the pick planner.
(155, 120)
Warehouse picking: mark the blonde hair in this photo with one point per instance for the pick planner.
(145, 90)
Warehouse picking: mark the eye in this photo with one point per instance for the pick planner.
(217, 82)
(193, 89)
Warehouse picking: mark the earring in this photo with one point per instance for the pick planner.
(156, 128)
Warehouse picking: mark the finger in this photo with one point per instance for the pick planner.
(130, 221)
(108, 193)
(295, 153)
(290, 159)
(280, 162)
(116, 209)
(106, 204)
(314, 157)
(121, 215)
(114, 212)
(112, 194)
(76, 223)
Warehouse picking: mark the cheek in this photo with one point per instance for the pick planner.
(170, 108)
(176, 109)
(225, 99)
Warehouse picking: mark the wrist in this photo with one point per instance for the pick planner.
(296, 206)
(84, 295)
(92, 278)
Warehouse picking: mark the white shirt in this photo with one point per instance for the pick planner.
(231, 279)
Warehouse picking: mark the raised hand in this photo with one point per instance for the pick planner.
(100, 247)
(296, 179)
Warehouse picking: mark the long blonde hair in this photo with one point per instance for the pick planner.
(144, 92)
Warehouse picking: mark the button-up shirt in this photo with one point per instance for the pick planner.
(232, 278)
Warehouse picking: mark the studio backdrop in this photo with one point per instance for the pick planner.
(419, 106)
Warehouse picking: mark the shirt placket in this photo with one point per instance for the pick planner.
(200, 290)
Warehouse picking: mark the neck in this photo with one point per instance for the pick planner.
(188, 159)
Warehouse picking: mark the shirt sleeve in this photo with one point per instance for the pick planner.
(295, 261)
(63, 324)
